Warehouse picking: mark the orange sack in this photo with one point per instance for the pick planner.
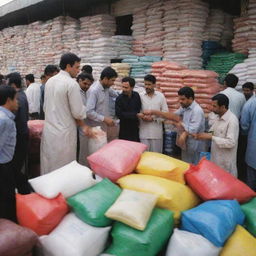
(40, 214)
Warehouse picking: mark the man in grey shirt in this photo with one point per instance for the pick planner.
(190, 119)
(98, 100)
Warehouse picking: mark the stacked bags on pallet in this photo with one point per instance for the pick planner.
(222, 63)
(154, 29)
(184, 23)
(123, 70)
(140, 67)
(172, 77)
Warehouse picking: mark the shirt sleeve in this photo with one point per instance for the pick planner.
(77, 107)
(28, 93)
(91, 107)
(231, 136)
(196, 121)
(3, 133)
(164, 106)
(245, 119)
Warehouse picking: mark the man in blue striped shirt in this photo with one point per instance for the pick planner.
(8, 104)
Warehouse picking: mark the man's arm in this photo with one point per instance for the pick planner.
(245, 119)
(167, 115)
(3, 133)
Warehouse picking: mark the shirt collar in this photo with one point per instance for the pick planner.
(225, 117)
(7, 112)
(192, 105)
(145, 93)
(65, 73)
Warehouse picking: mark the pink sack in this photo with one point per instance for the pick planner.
(211, 182)
(116, 159)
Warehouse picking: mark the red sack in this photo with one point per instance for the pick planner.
(40, 214)
(116, 159)
(15, 240)
(211, 182)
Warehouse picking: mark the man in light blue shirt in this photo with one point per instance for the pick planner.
(98, 100)
(248, 125)
(8, 104)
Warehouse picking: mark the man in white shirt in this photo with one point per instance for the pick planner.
(236, 99)
(223, 134)
(64, 111)
(151, 127)
(33, 94)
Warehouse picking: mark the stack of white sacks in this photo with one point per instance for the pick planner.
(246, 71)
(184, 23)
(139, 31)
(154, 29)
(122, 45)
(214, 25)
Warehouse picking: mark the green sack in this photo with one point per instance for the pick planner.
(249, 210)
(128, 241)
(91, 204)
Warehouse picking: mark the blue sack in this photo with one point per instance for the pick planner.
(215, 220)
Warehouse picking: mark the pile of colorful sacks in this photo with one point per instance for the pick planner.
(141, 204)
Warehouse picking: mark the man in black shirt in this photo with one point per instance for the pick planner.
(127, 106)
(21, 148)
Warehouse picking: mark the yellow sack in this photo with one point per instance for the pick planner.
(133, 208)
(157, 164)
(240, 243)
(171, 195)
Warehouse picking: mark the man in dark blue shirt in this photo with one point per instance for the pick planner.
(8, 104)
(128, 105)
(21, 121)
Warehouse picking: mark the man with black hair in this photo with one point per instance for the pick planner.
(236, 99)
(2, 81)
(151, 128)
(8, 104)
(84, 80)
(21, 121)
(33, 96)
(64, 110)
(98, 100)
(127, 106)
(87, 69)
(223, 135)
(248, 90)
(49, 71)
(189, 119)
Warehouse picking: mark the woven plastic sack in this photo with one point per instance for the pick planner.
(240, 243)
(15, 240)
(68, 180)
(171, 195)
(116, 159)
(183, 243)
(161, 165)
(210, 182)
(40, 214)
(129, 241)
(215, 220)
(249, 210)
(91, 204)
(74, 237)
(133, 208)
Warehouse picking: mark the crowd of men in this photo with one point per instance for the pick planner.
(71, 103)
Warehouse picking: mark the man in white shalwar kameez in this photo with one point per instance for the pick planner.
(64, 110)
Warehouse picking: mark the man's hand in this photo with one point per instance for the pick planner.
(109, 121)
(202, 136)
(147, 112)
(147, 118)
(87, 130)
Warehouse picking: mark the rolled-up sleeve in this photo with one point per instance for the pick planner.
(91, 107)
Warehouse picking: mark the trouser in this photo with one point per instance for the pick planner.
(18, 162)
(83, 149)
(154, 145)
(251, 177)
(190, 156)
(7, 192)
(34, 116)
(241, 164)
